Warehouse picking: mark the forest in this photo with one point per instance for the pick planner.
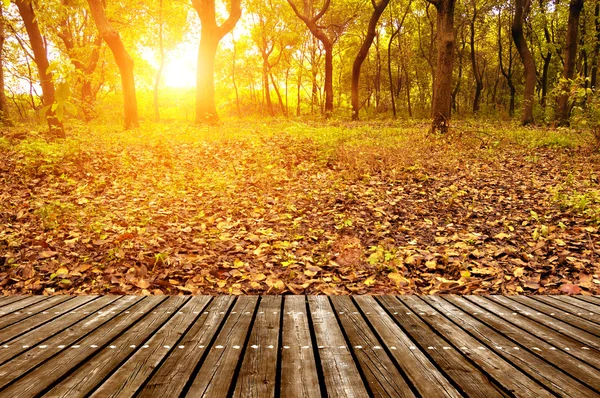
(299, 146)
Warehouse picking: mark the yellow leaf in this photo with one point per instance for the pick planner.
(62, 271)
(518, 272)
(399, 279)
(431, 264)
(465, 274)
(370, 280)
(221, 283)
(559, 242)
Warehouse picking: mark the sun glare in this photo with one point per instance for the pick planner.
(180, 68)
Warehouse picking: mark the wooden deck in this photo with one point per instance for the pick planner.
(297, 346)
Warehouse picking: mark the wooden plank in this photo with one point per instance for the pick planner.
(20, 305)
(468, 378)
(13, 331)
(169, 317)
(341, 376)
(494, 365)
(173, 371)
(32, 310)
(299, 377)
(579, 301)
(257, 376)
(216, 375)
(530, 338)
(6, 300)
(380, 372)
(562, 327)
(538, 308)
(525, 358)
(98, 333)
(423, 374)
(594, 300)
(549, 335)
(555, 302)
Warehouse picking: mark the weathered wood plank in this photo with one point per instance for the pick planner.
(173, 371)
(299, 377)
(571, 319)
(216, 374)
(259, 367)
(342, 378)
(6, 300)
(562, 327)
(100, 332)
(381, 374)
(87, 376)
(494, 365)
(594, 300)
(32, 310)
(530, 338)
(20, 305)
(565, 306)
(581, 303)
(527, 361)
(41, 321)
(549, 335)
(423, 374)
(468, 378)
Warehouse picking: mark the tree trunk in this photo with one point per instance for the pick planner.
(4, 116)
(41, 59)
(123, 60)
(162, 61)
(445, 61)
(478, 76)
(521, 10)
(235, 87)
(363, 52)
(210, 35)
(570, 57)
(328, 47)
(596, 59)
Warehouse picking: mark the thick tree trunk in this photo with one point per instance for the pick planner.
(4, 116)
(328, 79)
(570, 57)
(442, 99)
(521, 10)
(41, 59)
(210, 35)
(206, 108)
(123, 60)
(265, 76)
(596, 59)
(363, 52)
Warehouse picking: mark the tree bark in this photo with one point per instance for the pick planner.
(442, 97)
(210, 36)
(123, 60)
(4, 116)
(363, 51)
(570, 56)
(521, 10)
(476, 73)
(40, 55)
(596, 59)
(318, 31)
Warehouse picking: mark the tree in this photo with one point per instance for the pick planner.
(4, 117)
(312, 23)
(442, 92)
(507, 70)
(123, 60)
(210, 36)
(522, 8)
(40, 54)
(363, 51)
(570, 56)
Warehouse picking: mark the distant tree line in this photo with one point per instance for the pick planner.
(369, 58)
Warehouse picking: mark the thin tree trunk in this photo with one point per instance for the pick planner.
(570, 57)
(279, 98)
(41, 59)
(123, 60)
(478, 76)
(363, 52)
(235, 87)
(596, 59)
(162, 61)
(4, 116)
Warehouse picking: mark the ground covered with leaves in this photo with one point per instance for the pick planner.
(287, 207)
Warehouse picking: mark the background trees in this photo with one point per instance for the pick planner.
(483, 58)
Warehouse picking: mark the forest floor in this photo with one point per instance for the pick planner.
(289, 207)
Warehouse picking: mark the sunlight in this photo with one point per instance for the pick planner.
(180, 68)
